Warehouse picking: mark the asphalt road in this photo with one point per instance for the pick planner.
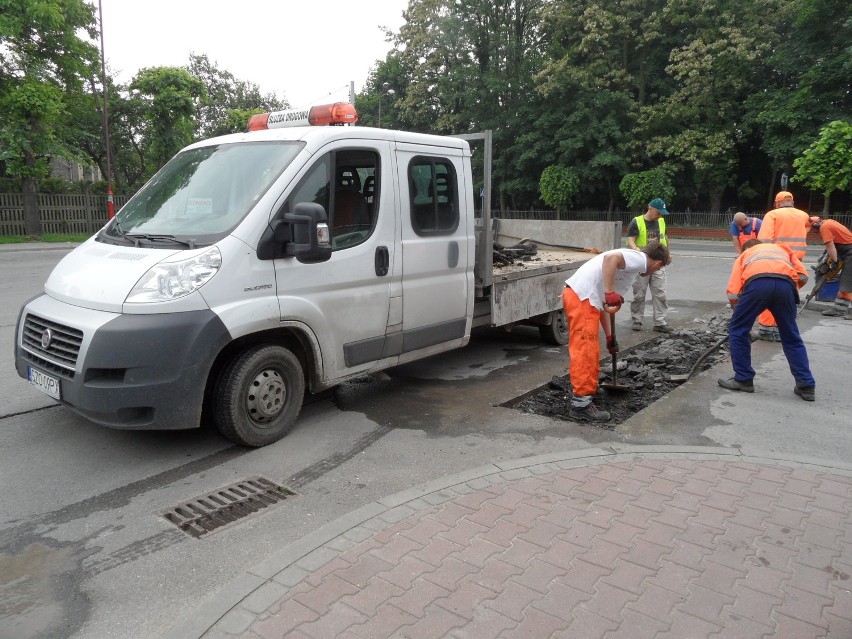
(86, 552)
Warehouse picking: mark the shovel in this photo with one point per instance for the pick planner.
(614, 385)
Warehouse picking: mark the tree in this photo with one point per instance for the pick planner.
(806, 82)
(558, 186)
(605, 62)
(640, 188)
(714, 68)
(471, 64)
(826, 165)
(170, 96)
(43, 61)
(223, 94)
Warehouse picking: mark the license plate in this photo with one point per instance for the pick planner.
(45, 383)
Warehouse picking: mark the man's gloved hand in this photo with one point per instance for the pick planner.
(611, 345)
(612, 301)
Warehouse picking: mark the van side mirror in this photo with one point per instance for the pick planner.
(303, 234)
(310, 237)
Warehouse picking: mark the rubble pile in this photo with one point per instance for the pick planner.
(507, 255)
(650, 370)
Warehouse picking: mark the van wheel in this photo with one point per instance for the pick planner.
(556, 332)
(259, 395)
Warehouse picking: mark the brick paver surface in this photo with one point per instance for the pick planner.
(647, 548)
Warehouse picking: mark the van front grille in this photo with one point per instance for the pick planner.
(55, 343)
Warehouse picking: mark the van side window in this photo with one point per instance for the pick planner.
(433, 194)
(346, 184)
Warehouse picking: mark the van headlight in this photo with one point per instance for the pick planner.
(170, 280)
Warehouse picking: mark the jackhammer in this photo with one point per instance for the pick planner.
(825, 271)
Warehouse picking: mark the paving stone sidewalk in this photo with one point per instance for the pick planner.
(620, 541)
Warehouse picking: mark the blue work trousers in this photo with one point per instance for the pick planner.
(779, 296)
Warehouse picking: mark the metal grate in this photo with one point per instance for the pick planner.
(226, 506)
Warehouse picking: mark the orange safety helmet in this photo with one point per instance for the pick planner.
(783, 198)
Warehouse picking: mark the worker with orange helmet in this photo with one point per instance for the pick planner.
(788, 226)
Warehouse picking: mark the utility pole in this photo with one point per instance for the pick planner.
(110, 203)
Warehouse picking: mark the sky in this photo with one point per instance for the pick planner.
(306, 52)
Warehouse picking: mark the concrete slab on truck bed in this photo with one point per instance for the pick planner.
(553, 234)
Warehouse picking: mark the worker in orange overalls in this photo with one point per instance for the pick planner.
(743, 229)
(591, 294)
(838, 244)
(788, 226)
(767, 276)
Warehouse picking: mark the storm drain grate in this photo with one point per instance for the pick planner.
(226, 505)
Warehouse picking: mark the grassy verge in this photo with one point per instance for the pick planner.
(47, 237)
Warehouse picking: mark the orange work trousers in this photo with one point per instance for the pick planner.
(584, 347)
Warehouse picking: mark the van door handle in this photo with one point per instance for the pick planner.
(382, 260)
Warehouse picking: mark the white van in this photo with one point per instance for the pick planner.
(253, 266)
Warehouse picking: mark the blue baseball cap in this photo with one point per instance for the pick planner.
(657, 203)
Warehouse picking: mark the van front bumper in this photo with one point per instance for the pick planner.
(123, 371)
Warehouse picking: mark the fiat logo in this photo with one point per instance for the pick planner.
(46, 337)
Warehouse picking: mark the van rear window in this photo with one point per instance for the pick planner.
(433, 196)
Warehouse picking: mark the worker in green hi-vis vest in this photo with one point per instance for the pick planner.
(641, 230)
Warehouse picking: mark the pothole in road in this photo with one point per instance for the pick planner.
(650, 370)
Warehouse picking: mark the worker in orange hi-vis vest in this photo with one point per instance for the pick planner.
(743, 229)
(788, 226)
(838, 244)
(767, 276)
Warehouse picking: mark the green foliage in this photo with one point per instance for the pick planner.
(170, 95)
(640, 188)
(826, 165)
(47, 237)
(724, 95)
(558, 186)
(10, 186)
(806, 82)
(43, 59)
(57, 185)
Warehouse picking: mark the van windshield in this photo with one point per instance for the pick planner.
(200, 195)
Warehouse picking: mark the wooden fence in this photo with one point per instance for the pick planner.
(72, 213)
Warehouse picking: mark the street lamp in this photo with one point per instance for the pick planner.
(386, 90)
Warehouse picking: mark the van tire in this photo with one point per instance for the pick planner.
(259, 395)
(556, 332)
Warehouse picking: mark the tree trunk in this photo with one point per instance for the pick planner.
(715, 202)
(825, 204)
(770, 198)
(32, 220)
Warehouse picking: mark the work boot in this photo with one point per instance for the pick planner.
(588, 413)
(663, 328)
(637, 325)
(766, 336)
(733, 384)
(834, 312)
(807, 393)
